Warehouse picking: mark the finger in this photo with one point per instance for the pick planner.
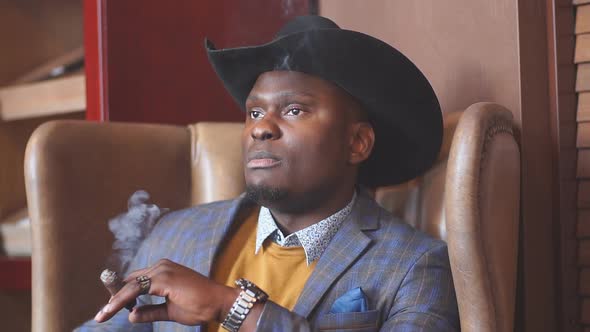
(149, 313)
(141, 272)
(132, 289)
(127, 294)
(147, 271)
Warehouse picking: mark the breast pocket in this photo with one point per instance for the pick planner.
(350, 321)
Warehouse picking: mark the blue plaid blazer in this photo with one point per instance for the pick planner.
(404, 273)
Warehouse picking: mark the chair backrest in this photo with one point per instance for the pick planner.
(216, 161)
(80, 174)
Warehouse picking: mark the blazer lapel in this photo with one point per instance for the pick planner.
(346, 246)
(219, 227)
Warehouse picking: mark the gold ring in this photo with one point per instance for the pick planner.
(144, 283)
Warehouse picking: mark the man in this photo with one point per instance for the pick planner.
(327, 111)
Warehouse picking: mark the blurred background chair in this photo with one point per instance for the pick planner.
(80, 174)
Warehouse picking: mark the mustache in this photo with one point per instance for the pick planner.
(261, 155)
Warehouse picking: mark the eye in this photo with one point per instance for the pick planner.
(294, 111)
(254, 114)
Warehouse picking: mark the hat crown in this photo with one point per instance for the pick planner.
(306, 23)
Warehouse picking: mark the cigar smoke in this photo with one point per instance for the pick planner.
(284, 64)
(131, 228)
(303, 50)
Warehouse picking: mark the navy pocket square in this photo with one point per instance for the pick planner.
(352, 301)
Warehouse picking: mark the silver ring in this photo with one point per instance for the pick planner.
(144, 283)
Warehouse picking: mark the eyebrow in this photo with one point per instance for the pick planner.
(278, 95)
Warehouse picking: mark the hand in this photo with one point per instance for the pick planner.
(191, 298)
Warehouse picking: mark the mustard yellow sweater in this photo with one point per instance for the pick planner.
(281, 272)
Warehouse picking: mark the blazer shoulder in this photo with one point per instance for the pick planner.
(181, 228)
(195, 218)
(397, 236)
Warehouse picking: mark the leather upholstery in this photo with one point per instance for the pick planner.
(80, 174)
(482, 211)
(216, 161)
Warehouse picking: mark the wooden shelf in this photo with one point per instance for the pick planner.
(52, 97)
(47, 69)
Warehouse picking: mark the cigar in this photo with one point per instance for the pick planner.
(111, 281)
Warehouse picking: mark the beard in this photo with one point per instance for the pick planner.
(281, 199)
(265, 195)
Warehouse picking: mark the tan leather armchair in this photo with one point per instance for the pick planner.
(80, 174)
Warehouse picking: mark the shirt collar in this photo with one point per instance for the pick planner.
(314, 239)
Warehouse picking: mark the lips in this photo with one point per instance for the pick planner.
(261, 160)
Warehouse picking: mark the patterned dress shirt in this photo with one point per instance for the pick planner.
(314, 239)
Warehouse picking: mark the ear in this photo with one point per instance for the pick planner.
(362, 140)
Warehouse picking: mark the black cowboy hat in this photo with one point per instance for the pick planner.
(398, 99)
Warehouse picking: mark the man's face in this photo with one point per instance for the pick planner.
(297, 139)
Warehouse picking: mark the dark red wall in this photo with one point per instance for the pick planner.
(145, 60)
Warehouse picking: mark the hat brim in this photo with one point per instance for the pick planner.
(399, 100)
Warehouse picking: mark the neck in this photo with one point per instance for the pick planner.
(292, 221)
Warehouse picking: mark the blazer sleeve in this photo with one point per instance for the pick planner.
(426, 299)
(118, 323)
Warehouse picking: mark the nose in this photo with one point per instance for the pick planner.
(265, 129)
